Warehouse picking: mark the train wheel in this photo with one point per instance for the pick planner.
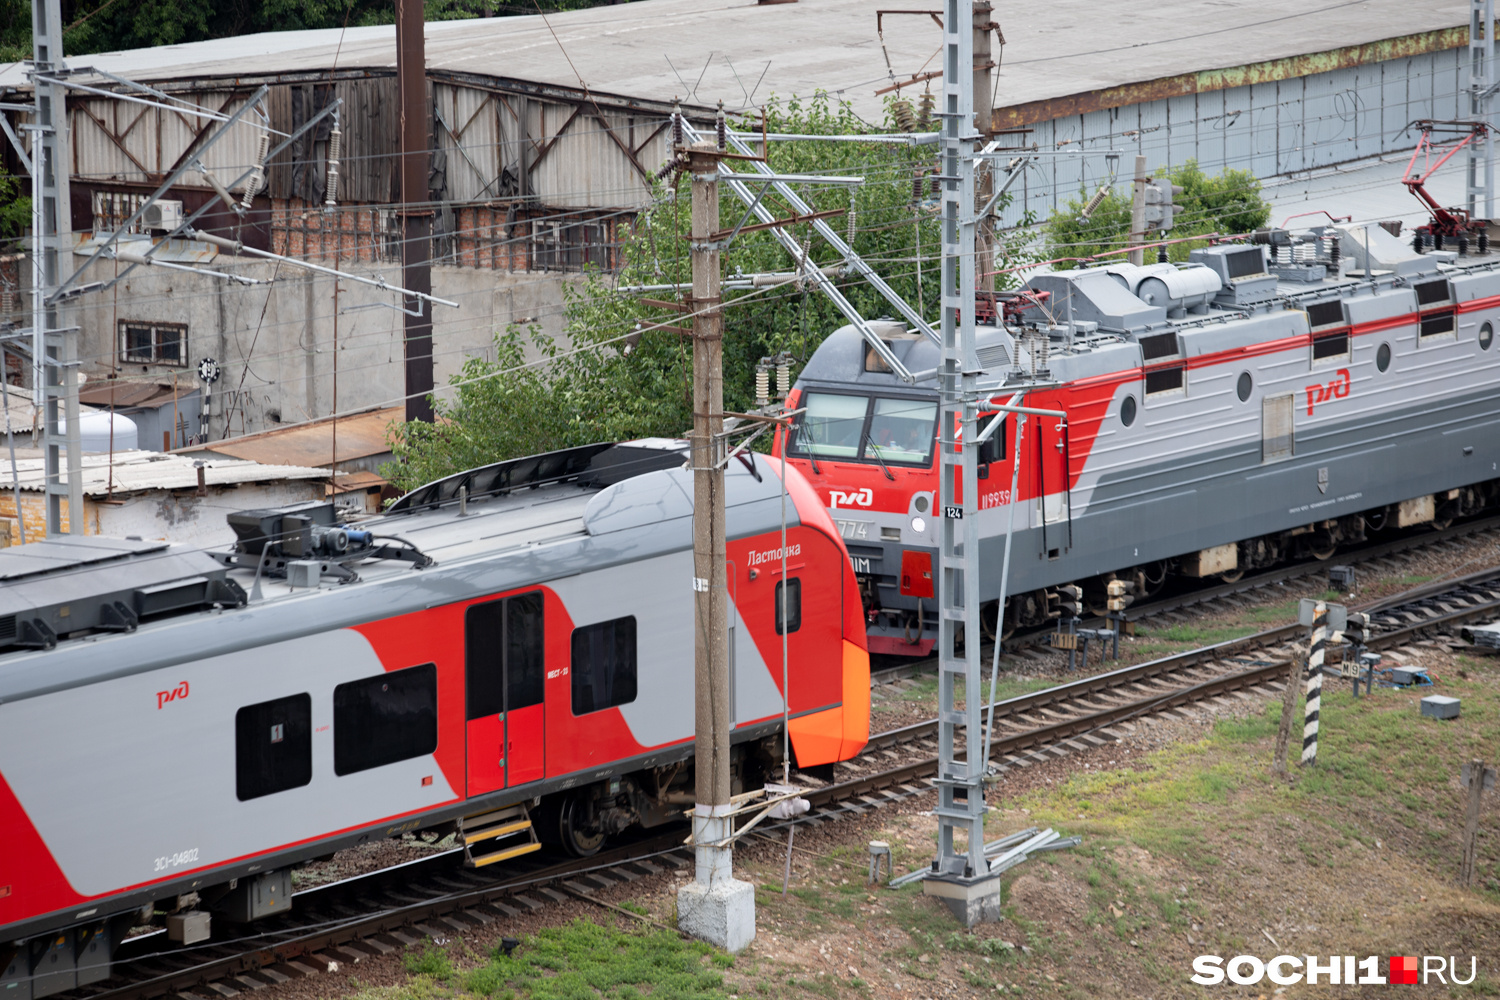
(577, 839)
(1233, 576)
(1322, 549)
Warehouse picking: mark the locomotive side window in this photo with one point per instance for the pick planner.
(384, 719)
(503, 644)
(1164, 380)
(992, 449)
(1438, 322)
(793, 620)
(604, 673)
(272, 746)
(1332, 346)
(1486, 337)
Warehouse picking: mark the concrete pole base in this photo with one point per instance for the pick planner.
(722, 914)
(972, 900)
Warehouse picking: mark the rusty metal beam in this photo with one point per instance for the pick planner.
(1211, 80)
(546, 147)
(117, 140)
(625, 148)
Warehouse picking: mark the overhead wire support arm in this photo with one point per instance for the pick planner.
(162, 189)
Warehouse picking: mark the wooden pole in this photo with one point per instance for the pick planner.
(1473, 775)
(1288, 706)
(416, 214)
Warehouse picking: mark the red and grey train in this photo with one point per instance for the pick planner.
(1271, 399)
(512, 645)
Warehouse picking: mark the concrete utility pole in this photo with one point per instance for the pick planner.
(984, 114)
(1481, 174)
(1138, 212)
(960, 877)
(416, 216)
(714, 907)
(54, 346)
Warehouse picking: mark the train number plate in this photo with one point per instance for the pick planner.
(853, 529)
(954, 512)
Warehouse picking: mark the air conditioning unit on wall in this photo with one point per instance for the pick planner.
(162, 215)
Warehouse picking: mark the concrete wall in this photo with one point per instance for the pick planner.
(177, 516)
(276, 344)
(1278, 127)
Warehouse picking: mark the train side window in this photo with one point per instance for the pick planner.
(793, 620)
(992, 449)
(384, 719)
(524, 663)
(1486, 336)
(1383, 357)
(1331, 346)
(273, 746)
(1243, 386)
(604, 665)
(484, 641)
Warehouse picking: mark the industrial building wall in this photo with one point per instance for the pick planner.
(1275, 128)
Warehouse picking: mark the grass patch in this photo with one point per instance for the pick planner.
(584, 960)
(1193, 635)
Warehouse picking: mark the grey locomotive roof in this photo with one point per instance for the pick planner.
(744, 52)
(527, 536)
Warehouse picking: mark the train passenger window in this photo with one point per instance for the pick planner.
(1333, 346)
(1486, 336)
(901, 429)
(384, 719)
(793, 617)
(503, 655)
(604, 673)
(1440, 322)
(1164, 380)
(832, 427)
(272, 746)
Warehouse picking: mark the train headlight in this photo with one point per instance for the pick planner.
(918, 524)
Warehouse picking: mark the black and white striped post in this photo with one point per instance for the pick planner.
(1314, 684)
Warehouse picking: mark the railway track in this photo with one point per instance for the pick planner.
(435, 897)
(1197, 596)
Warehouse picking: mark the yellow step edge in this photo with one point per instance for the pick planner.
(497, 831)
(510, 852)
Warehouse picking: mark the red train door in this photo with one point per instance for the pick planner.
(504, 668)
(1052, 484)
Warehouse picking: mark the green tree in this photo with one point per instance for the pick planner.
(1227, 203)
(15, 210)
(625, 379)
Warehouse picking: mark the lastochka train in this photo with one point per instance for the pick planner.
(1269, 399)
(508, 655)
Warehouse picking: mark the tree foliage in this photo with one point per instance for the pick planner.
(109, 25)
(624, 379)
(1227, 203)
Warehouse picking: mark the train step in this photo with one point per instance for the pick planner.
(508, 831)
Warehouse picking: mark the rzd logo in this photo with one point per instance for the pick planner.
(162, 697)
(1337, 389)
(859, 498)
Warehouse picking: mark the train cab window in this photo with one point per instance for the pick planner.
(901, 429)
(832, 427)
(272, 746)
(384, 719)
(793, 615)
(503, 654)
(992, 448)
(604, 665)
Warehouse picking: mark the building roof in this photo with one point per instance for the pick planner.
(744, 53)
(127, 395)
(359, 436)
(139, 471)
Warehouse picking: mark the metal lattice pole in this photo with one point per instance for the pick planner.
(54, 348)
(960, 779)
(1481, 173)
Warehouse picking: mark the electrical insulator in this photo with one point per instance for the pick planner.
(1161, 254)
(1484, 242)
(916, 188)
(905, 117)
(721, 131)
(783, 379)
(257, 172)
(1093, 203)
(937, 185)
(1463, 245)
(1437, 241)
(218, 186)
(850, 237)
(924, 108)
(676, 124)
(1335, 251)
(762, 385)
(1275, 252)
(335, 147)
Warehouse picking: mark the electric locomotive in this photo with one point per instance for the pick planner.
(506, 655)
(1269, 399)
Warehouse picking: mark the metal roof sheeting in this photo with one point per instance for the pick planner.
(138, 471)
(359, 436)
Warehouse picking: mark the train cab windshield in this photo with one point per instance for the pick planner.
(848, 427)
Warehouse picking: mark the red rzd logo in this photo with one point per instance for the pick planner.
(1337, 389)
(162, 697)
(1404, 970)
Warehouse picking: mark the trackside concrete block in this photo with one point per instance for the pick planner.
(722, 914)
